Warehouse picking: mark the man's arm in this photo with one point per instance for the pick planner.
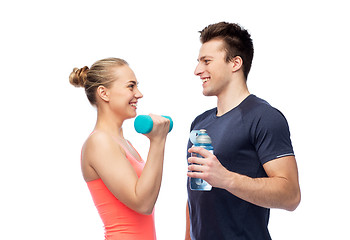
(187, 235)
(279, 190)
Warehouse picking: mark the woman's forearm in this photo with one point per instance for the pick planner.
(148, 185)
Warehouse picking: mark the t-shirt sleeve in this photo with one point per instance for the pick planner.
(271, 136)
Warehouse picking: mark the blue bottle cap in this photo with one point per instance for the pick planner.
(193, 136)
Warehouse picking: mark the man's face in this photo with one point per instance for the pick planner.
(212, 68)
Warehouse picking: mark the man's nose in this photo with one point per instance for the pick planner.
(198, 70)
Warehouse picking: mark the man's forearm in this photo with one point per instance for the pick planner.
(268, 192)
(187, 234)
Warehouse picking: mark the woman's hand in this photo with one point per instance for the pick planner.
(160, 128)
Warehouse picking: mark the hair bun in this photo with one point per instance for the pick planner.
(78, 77)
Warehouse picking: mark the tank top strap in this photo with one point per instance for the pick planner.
(127, 152)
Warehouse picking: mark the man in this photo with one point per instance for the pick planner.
(253, 167)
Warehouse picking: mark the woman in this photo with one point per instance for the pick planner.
(124, 188)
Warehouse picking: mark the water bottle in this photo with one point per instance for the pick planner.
(200, 139)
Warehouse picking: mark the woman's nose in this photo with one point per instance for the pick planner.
(138, 94)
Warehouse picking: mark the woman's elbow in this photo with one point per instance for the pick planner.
(145, 210)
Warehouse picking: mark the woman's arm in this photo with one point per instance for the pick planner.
(110, 163)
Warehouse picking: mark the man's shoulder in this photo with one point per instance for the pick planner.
(257, 107)
(254, 103)
(259, 112)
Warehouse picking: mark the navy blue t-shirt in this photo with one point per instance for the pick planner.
(244, 139)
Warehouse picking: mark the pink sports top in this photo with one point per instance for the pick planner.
(121, 222)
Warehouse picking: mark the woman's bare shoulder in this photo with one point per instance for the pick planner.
(100, 143)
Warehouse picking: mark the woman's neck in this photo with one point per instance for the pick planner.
(110, 124)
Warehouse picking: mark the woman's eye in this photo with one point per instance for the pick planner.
(132, 85)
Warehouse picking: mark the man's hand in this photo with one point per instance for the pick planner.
(208, 168)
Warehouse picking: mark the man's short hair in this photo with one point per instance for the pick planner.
(237, 42)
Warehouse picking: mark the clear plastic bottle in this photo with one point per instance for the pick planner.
(200, 139)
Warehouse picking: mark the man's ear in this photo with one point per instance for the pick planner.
(237, 63)
(103, 93)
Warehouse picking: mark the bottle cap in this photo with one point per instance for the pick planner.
(199, 136)
(193, 136)
(203, 137)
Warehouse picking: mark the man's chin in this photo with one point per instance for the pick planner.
(207, 94)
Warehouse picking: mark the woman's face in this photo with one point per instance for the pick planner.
(123, 93)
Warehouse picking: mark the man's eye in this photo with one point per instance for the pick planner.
(206, 61)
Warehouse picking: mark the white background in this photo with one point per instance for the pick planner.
(300, 67)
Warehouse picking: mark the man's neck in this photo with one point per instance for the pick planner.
(231, 98)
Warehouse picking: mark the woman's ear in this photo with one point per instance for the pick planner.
(103, 93)
(237, 63)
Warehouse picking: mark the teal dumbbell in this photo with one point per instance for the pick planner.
(144, 123)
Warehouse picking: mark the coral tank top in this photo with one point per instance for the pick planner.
(121, 222)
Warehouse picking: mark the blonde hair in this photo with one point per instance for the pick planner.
(99, 74)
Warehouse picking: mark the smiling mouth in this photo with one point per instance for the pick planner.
(204, 80)
(133, 105)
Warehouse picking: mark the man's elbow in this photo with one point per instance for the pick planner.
(293, 202)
